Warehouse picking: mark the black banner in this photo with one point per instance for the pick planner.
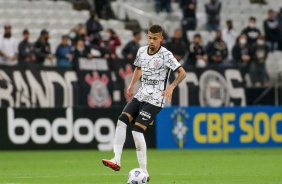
(101, 83)
(217, 87)
(38, 87)
(60, 128)
(210, 87)
(105, 82)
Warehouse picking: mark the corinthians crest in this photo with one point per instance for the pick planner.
(214, 91)
(180, 127)
(99, 94)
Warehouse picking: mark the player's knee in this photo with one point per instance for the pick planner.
(124, 118)
(137, 128)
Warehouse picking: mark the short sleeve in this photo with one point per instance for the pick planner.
(170, 61)
(137, 59)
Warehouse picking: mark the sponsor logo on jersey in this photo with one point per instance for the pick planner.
(150, 82)
(180, 127)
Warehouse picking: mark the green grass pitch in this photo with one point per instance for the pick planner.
(217, 166)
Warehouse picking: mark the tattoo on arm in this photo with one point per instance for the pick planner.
(179, 78)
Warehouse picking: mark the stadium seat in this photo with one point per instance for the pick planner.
(202, 20)
(115, 24)
(232, 2)
(120, 12)
(190, 34)
(175, 6)
(206, 35)
(119, 52)
(63, 5)
(56, 16)
(17, 33)
(274, 64)
(59, 17)
(200, 8)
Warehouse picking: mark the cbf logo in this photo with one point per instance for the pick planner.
(180, 127)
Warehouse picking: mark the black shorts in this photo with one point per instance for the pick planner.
(142, 112)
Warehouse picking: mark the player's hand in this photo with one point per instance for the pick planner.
(167, 94)
(129, 91)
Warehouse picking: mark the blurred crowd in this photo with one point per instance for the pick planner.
(84, 40)
(246, 50)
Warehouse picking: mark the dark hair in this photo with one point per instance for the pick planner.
(253, 18)
(65, 36)
(25, 31)
(155, 28)
(79, 41)
(7, 26)
(271, 11)
(43, 32)
(136, 32)
(229, 21)
(92, 12)
(111, 31)
(197, 35)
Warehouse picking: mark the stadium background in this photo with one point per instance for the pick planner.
(55, 108)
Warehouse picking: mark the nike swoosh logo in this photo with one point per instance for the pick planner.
(144, 119)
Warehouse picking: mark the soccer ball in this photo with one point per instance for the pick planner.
(137, 176)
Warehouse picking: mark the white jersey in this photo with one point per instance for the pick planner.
(8, 46)
(155, 72)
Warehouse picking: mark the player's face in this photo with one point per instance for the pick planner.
(154, 40)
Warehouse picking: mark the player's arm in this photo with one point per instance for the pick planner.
(169, 90)
(136, 76)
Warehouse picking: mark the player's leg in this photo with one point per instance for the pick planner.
(120, 134)
(140, 144)
(143, 121)
(130, 111)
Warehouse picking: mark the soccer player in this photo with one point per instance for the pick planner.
(153, 63)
